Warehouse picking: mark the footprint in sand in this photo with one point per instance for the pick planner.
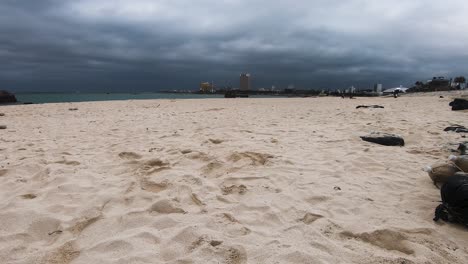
(198, 243)
(238, 160)
(196, 155)
(214, 168)
(215, 243)
(83, 223)
(383, 238)
(68, 162)
(153, 166)
(196, 200)
(155, 187)
(216, 141)
(214, 109)
(309, 218)
(64, 254)
(28, 196)
(313, 200)
(186, 151)
(236, 255)
(165, 207)
(129, 155)
(234, 189)
(226, 223)
(3, 172)
(254, 158)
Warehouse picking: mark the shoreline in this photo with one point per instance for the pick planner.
(75, 97)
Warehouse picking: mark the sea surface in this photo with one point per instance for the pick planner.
(40, 98)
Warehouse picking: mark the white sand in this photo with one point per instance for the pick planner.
(225, 181)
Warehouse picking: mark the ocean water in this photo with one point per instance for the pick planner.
(40, 98)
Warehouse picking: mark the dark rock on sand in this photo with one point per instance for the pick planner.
(7, 97)
(458, 148)
(369, 106)
(2, 114)
(3, 127)
(457, 128)
(384, 139)
(459, 104)
(462, 149)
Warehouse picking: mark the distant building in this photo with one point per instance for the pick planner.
(439, 84)
(206, 87)
(245, 82)
(378, 88)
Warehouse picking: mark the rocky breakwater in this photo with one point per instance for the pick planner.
(7, 97)
(459, 104)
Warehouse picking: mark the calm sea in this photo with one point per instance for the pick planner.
(39, 98)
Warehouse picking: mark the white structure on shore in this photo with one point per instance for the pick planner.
(401, 89)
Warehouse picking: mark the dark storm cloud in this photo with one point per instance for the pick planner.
(149, 45)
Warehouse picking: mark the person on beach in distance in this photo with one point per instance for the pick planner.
(395, 93)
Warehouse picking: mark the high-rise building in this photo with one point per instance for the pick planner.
(378, 88)
(245, 81)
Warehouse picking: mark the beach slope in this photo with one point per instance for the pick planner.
(284, 180)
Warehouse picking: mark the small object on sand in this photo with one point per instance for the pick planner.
(3, 127)
(2, 114)
(459, 104)
(369, 106)
(384, 139)
(457, 129)
(336, 188)
(215, 243)
(55, 232)
(460, 161)
(440, 173)
(73, 109)
(441, 96)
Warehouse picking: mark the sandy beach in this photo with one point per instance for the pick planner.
(285, 180)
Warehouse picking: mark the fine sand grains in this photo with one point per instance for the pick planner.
(284, 180)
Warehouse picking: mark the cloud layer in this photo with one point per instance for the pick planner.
(144, 45)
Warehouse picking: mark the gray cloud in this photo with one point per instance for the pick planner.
(149, 45)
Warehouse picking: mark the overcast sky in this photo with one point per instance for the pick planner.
(145, 45)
